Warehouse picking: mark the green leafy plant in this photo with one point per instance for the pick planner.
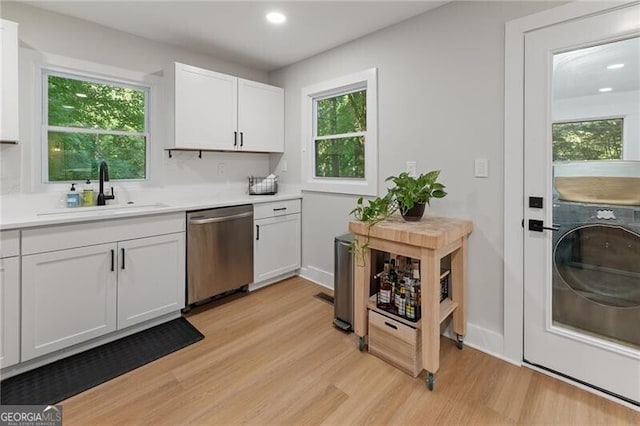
(374, 211)
(409, 191)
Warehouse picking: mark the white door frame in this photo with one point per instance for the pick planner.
(514, 160)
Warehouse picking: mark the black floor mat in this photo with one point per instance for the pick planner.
(62, 379)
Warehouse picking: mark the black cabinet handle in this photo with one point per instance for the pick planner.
(235, 138)
(257, 232)
(113, 255)
(241, 138)
(388, 324)
(279, 209)
(122, 257)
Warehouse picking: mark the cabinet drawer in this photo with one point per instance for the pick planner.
(60, 237)
(396, 343)
(278, 208)
(9, 243)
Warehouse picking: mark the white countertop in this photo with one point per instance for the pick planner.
(31, 210)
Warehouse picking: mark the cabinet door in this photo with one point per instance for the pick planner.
(8, 81)
(206, 109)
(260, 116)
(68, 297)
(9, 312)
(276, 246)
(151, 278)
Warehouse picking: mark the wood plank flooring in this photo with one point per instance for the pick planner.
(273, 357)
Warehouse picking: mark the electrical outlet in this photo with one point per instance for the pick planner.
(412, 168)
(221, 169)
(481, 167)
(283, 165)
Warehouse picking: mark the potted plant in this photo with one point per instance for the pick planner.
(414, 193)
(376, 210)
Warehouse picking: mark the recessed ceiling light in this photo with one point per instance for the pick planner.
(81, 95)
(605, 89)
(276, 17)
(615, 66)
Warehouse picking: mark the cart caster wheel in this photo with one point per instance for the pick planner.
(361, 343)
(431, 381)
(460, 342)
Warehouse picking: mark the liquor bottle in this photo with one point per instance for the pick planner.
(393, 274)
(410, 308)
(397, 296)
(402, 304)
(385, 291)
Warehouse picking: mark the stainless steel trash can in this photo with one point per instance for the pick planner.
(343, 283)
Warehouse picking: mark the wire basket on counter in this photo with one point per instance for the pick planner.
(263, 185)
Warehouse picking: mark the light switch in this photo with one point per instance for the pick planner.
(411, 168)
(481, 167)
(283, 165)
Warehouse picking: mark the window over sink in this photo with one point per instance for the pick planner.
(87, 120)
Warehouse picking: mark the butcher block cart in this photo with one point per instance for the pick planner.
(430, 240)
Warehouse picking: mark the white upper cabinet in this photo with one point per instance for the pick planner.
(222, 112)
(206, 112)
(9, 81)
(260, 116)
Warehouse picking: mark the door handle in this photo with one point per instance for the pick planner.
(257, 232)
(122, 257)
(538, 226)
(241, 139)
(113, 255)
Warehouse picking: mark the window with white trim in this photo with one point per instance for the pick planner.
(339, 152)
(86, 121)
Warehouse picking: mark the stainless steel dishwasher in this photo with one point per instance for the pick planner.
(219, 251)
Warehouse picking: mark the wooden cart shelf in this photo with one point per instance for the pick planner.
(428, 240)
(447, 306)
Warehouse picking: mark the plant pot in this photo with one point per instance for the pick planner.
(413, 214)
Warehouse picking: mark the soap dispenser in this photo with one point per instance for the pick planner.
(73, 197)
(88, 196)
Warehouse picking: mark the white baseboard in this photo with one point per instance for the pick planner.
(484, 340)
(318, 276)
(256, 286)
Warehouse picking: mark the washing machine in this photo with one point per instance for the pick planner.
(596, 270)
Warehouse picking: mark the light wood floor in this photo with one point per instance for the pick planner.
(273, 357)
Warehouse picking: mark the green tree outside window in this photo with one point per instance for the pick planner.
(341, 125)
(88, 122)
(588, 140)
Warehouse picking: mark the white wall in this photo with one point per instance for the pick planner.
(42, 31)
(440, 96)
(604, 105)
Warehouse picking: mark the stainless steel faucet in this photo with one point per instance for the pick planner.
(104, 177)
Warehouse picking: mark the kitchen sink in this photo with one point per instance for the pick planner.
(112, 209)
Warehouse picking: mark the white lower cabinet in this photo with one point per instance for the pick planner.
(68, 296)
(149, 269)
(276, 239)
(79, 293)
(9, 311)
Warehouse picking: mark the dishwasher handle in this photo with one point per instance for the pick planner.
(198, 221)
